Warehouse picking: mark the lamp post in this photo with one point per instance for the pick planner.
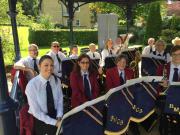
(12, 13)
(70, 21)
(7, 105)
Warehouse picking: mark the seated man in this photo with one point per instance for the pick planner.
(30, 63)
(150, 47)
(74, 52)
(57, 57)
(160, 51)
(171, 71)
(92, 53)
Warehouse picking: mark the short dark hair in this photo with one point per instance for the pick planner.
(120, 57)
(44, 57)
(175, 48)
(77, 68)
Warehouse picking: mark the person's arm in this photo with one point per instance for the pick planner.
(145, 51)
(76, 95)
(35, 108)
(21, 65)
(60, 101)
(109, 83)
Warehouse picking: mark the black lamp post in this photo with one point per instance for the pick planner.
(12, 13)
(70, 21)
(7, 105)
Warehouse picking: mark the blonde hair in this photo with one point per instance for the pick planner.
(55, 42)
(106, 43)
(32, 45)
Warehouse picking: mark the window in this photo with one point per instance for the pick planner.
(77, 22)
(76, 5)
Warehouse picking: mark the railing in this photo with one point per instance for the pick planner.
(14, 95)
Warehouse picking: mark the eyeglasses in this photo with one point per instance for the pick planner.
(175, 55)
(83, 62)
(33, 50)
(55, 46)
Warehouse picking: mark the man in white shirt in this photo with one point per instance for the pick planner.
(172, 69)
(150, 47)
(30, 63)
(92, 53)
(57, 56)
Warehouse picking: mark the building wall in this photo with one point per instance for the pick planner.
(59, 15)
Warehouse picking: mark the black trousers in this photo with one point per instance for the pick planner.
(41, 128)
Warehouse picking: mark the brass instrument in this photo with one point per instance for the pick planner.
(134, 64)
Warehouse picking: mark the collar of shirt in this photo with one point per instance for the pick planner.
(160, 53)
(121, 71)
(173, 66)
(43, 80)
(82, 73)
(31, 58)
(54, 53)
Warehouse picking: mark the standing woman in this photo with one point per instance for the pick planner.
(45, 98)
(83, 81)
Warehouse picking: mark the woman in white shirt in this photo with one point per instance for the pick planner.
(45, 98)
(107, 51)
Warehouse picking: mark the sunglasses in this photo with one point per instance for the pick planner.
(55, 46)
(83, 62)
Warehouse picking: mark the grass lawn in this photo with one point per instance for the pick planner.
(23, 34)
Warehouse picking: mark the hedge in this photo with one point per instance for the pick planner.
(45, 37)
(81, 36)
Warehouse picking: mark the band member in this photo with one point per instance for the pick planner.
(83, 81)
(160, 51)
(107, 51)
(176, 41)
(57, 57)
(74, 52)
(45, 98)
(118, 75)
(150, 47)
(118, 44)
(30, 63)
(92, 53)
(171, 70)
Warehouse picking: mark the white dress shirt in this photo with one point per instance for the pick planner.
(166, 57)
(37, 98)
(57, 66)
(74, 56)
(172, 66)
(123, 74)
(96, 54)
(27, 62)
(105, 53)
(146, 50)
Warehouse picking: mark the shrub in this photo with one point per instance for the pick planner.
(154, 21)
(175, 23)
(7, 45)
(45, 37)
(167, 35)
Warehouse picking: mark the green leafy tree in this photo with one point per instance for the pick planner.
(154, 21)
(30, 7)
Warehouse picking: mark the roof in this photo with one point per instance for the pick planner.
(174, 8)
(118, 2)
